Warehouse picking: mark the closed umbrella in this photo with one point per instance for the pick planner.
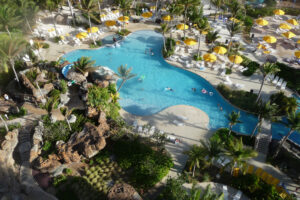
(236, 59)
(278, 12)
(167, 18)
(285, 26)
(147, 14)
(298, 42)
(115, 11)
(94, 29)
(269, 39)
(209, 57)
(289, 34)
(235, 20)
(123, 19)
(220, 50)
(297, 54)
(293, 22)
(81, 35)
(110, 23)
(262, 22)
(182, 26)
(190, 41)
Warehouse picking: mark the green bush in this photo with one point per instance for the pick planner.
(63, 86)
(31, 75)
(53, 100)
(228, 71)
(170, 46)
(98, 44)
(252, 66)
(59, 180)
(240, 98)
(22, 112)
(98, 96)
(123, 32)
(46, 45)
(197, 58)
(10, 128)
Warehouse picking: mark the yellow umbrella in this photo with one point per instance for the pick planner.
(292, 21)
(62, 37)
(147, 14)
(285, 26)
(267, 52)
(94, 29)
(110, 23)
(220, 50)
(259, 46)
(123, 19)
(297, 54)
(152, 7)
(167, 18)
(182, 26)
(81, 35)
(298, 42)
(204, 32)
(51, 30)
(209, 57)
(178, 42)
(235, 20)
(289, 34)
(115, 11)
(278, 12)
(262, 22)
(190, 41)
(236, 59)
(269, 39)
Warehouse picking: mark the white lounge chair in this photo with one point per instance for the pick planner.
(245, 69)
(146, 130)
(223, 73)
(279, 82)
(225, 192)
(140, 129)
(275, 80)
(283, 86)
(228, 81)
(152, 130)
(270, 77)
(238, 195)
(135, 124)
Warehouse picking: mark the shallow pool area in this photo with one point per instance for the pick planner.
(146, 94)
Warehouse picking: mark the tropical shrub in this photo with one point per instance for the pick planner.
(285, 104)
(63, 86)
(174, 190)
(252, 66)
(123, 32)
(170, 46)
(97, 96)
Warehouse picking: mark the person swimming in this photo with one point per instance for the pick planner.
(170, 89)
(194, 89)
(114, 39)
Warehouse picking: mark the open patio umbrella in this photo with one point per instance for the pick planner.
(123, 19)
(152, 7)
(166, 18)
(204, 32)
(269, 39)
(262, 22)
(259, 46)
(235, 20)
(209, 57)
(297, 54)
(182, 26)
(147, 14)
(110, 23)
(236, 59)
(94, 29)
(293, 22)
(220, 50)
(81, 35)
(285, 26)
(190, 41)
(288, 34)
(278, 12)
(298, 42)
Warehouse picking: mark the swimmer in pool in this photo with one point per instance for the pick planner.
(170, 89)
(194, 89)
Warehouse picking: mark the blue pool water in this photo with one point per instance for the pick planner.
(149, 96)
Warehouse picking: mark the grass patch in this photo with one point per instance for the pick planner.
(123, 32)
(240, 98)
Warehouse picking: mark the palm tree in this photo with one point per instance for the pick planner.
(8, 18)
(233, 119)
(66, 113)
(203, 25)
(72, 13)
(293, 123)
(28, 9)
(85, 65)
(164, 28)
(88, 5)
(10, 49)
(233, 28)
(238, 154)
(124, 6)
(265, 111)
(218, 4)
(235, 7)
(195, 154)
(187, 4)
(266, 68)
(212, 149)
(212, 36)
(124, 74)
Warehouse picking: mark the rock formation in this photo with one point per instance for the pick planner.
(123, 191)
(77, 77)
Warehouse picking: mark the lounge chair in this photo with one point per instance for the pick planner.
(223, 73)
(171, 138)
(275, 181)
(152, 130)
(244, 69)
(26, 58)
(225, 192)
(278, 84)
(275, 80)
(283, 86)
(146, 130)
(135, 124)
(140, 129)
(228, 81)
(270, 77)
(238, 195)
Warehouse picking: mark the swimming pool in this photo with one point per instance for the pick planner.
(149, 96)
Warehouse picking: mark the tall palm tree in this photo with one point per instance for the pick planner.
(8, 18)
(124, 74)
(233, 119)
(187, 4)
(266, 68)
(233, 29)
(72, 12)
(235, 7)
(88, 6)
(293, 123)
(28, 9)
(164, 28)
(85, 65)
(212, 149)
(211, 37)
(195, 154)
(265, 111)
(238, 154)
(10, 49)
(174, 10)
(202, 25)
(124, 6)
(218, 4)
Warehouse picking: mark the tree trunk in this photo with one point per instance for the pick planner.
(194, 170)
(54, 23)
(165, 48)
(257, 125)
(123, 81)
(27, 22)
(185, 11)
(37, 84)
(6, 27)
(156, 8)
(198, 52)
(230, 129)
(229, 45)
(91, 29)
(68, 123)
(282, 142)
(12, 64)
(99, 7)
(261, 86)
(71, 11)
(4, 122)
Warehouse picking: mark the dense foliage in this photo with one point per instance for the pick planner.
(252, 66)
(170, 46)
(285, 104)
(148, 166)
(291, 75)
(240, 98)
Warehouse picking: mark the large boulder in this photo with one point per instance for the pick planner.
(77, 77)
(7, 106)
(104, 74)
(123, 191)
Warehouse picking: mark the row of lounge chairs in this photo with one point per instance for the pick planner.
(230, 83)
(237, 196)
(277, 81)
